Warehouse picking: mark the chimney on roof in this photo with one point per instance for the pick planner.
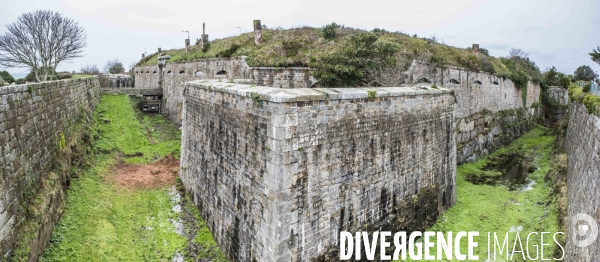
(203, 38)
(257, 32)
(476, 49)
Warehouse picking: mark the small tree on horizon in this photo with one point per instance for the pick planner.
(5, 75)
(584, 73)
(91, 69)
(114, 67)
(595, 54)
(40, 41)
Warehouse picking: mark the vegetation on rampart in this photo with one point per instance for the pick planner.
(589, 100)
(356, 56)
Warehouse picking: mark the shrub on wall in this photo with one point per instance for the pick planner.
(351, 64)
(590, 101)
(229, 51)
(587, 87)
(329, 31)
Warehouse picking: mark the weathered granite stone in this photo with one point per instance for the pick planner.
(278, 173)
(175, 75)
(32, 119)
(583, 179)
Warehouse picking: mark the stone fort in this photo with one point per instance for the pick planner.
(279, 167)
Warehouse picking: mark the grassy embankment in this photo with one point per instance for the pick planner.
(308, 46)
(486, 208)
(105, 222)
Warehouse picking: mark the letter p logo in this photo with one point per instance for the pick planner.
(586, 232)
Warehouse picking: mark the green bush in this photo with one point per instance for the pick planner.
(229, 51)
(329, 31)
(565, 82)
(586, 88)
(372, 93)
(592, 103)
(64, 76)
(576, 93)
(486, 65)
(4, 75)
(291, 47)
(205, 47)
(350, 64)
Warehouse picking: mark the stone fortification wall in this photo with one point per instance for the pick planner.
(33, 119)
(583, 179)
(480, 134)
(476, 91)
(559, 94)
(175, 75)
(278, 173)
(488, 109)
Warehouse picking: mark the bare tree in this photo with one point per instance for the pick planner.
(114, 66)
(41, 41)
(132, 66)
(517, 53)
(90, 69)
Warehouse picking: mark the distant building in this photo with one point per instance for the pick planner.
(595, 89)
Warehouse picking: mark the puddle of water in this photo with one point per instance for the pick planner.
(515, 229)
(510, 170)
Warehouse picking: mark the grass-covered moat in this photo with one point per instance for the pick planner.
(126, 206)
(516, 197)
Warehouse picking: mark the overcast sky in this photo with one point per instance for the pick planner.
(553, 32)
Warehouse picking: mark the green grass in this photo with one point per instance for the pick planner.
(204, 238)
(81, 76)
(125, 133)
(104, 223)
(487, 208)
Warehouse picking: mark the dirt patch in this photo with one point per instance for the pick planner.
(160, 174)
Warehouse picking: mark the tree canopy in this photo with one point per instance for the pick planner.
(4, 75)
(41, 40)
(595, 54)
(114, 66)
(584, 73)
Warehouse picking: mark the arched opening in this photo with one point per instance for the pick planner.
(136, 72)
(221, 73)
(454, 81)
(154, 72)
(199, 73)
(424, 80)
(181, 72)
(477, 82)
(495, 83)
(147, 72)
(169, 72)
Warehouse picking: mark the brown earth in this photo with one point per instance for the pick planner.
(158, 175)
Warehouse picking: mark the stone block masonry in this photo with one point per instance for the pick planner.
(33, 119)
(490, 111)
(583, 179)
(175, 75)
(278, 173)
